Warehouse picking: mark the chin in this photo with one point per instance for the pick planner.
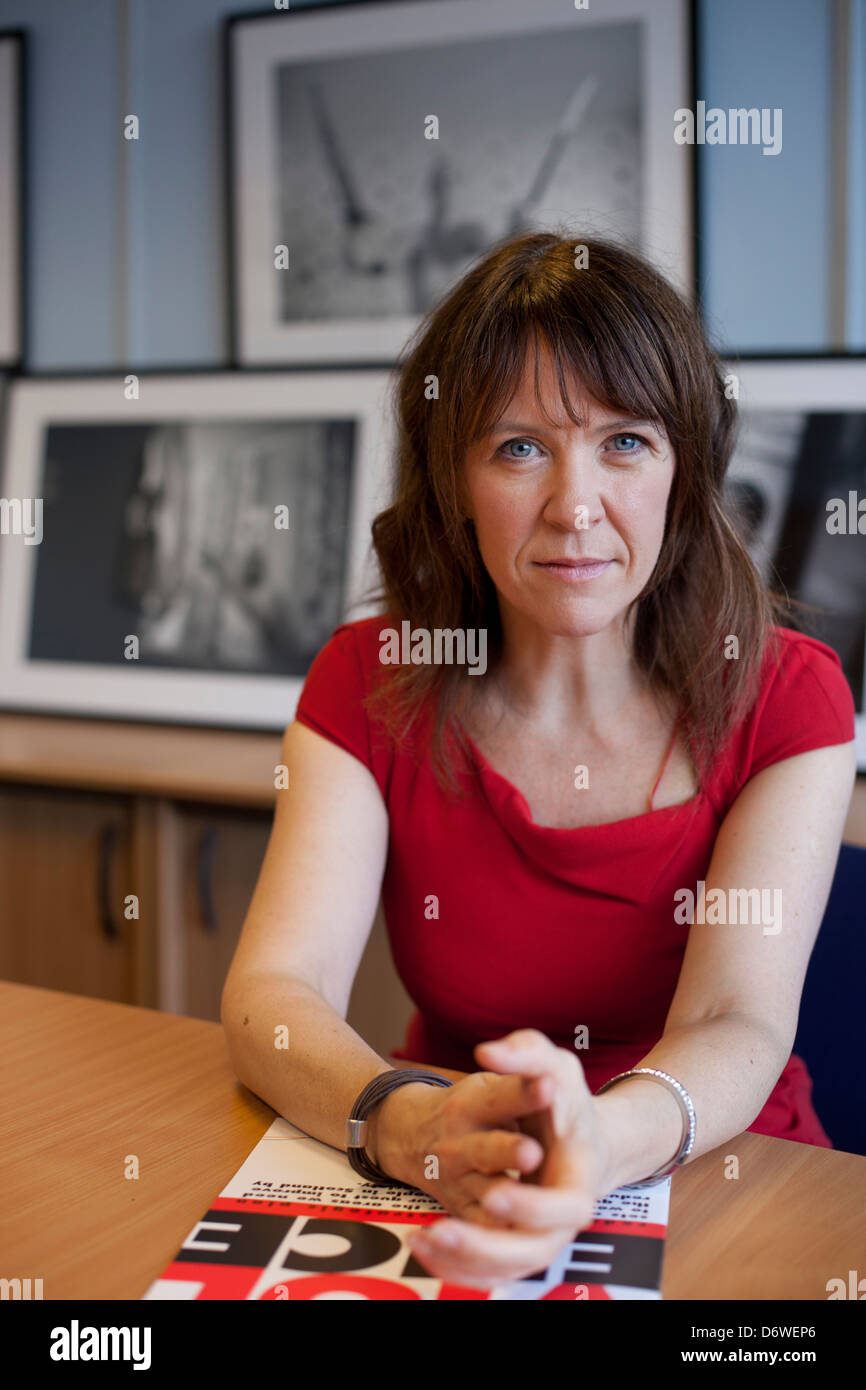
(579, 629)
(562, 623)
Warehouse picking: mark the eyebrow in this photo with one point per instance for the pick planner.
(503, 426)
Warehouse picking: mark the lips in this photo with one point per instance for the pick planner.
(574, 571)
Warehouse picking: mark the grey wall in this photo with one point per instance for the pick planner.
(764, 218)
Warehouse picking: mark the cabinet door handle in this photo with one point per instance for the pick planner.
(108, 837)
(206, 852)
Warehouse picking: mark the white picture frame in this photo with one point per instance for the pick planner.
(314, 94)
(197, 405)
(772, 394)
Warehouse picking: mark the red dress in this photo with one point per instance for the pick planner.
(497, 923)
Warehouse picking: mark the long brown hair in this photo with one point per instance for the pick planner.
(616, 325)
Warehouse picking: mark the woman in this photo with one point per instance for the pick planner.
(565, 834)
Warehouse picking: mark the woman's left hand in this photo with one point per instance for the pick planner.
(544, 1211)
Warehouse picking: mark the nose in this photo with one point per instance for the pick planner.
(572, 499)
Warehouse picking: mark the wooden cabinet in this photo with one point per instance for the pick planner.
(137, 900)
(128, 858)
(66, 867)
(220, 854)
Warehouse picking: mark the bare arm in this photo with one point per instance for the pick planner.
(732, 1021)
(302, 939)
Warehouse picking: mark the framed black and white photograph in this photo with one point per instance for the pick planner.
(375, 151)
(185, 554)
(797, 483)
(11, 200)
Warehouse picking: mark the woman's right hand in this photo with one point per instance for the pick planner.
(454, 1142)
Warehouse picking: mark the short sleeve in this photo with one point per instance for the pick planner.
(806, 703)
(332, 699)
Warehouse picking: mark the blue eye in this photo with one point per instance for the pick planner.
(636, 438)
(635, 443)
(516, 457)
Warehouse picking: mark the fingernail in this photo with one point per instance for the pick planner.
(444, 1236)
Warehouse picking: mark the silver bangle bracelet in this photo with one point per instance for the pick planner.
(687, 1109)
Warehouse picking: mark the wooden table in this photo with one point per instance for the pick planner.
(86, 1085)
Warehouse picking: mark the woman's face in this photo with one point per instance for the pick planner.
(539, 495)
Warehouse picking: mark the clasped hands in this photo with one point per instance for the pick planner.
(531, 1112)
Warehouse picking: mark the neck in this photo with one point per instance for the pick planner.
(546, 678)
